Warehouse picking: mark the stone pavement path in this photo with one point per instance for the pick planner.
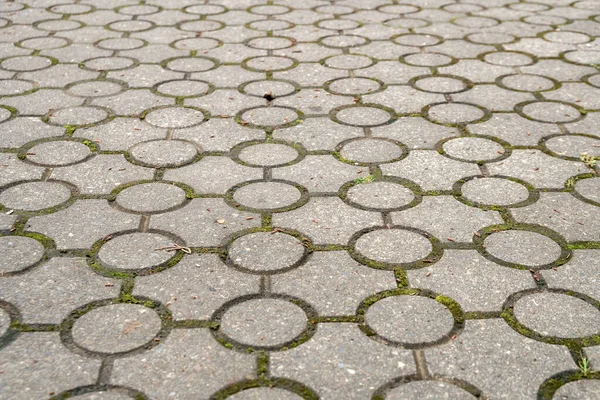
(299, 199)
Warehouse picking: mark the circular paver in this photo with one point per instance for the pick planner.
(407, 23)
(13, 87)
(77, 116)
(205, 9)
(191, 64)
(94, 89)
(269, 63)
(4, 114)
(265, 393)
(266, 252)
(349, 61)
(275, 88)
(428, 390)
(270, 25)
(342, 41)
(183, 88)
(44, 43)
(393, 246)
(267, 195)
(164, 153)
(589, 189)
(566, 37)
(428, 59)
(371, 151)
(440, 84)
(139, 10)
(494, 191)
(26, 63)
(584, 389)
(121, 44)
(508, 59)
(151, 197)
(527, 83)
(585, 57)
(58, 153)
(4, 322)
(196, 43)
(270, 116)
(380, 195)
(116, 328)
(18, 253)
(557, 315)
(175, 117)
(551, 112)
(363, 116)
(130, 26)
(473, 149)
(409, 319)
(338, 24)
(417, 40)
(270, 43)
(594, 80)
(138, 250)
(270, 10)
(108, 63)
(574, 146)
(523, 248)
(268, 154)
(354, 86)
(263, 322)
(491, 38)
(35, 196)
(59, 25)
(475, 22)
(545, 20)
(455, 113)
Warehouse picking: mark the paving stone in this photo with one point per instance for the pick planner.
(469, 358)
(201, 175)
(589, 189)
(440, 216)
(537, 168)
(18, 253)
(164, 153)
(268, 154)
(310, 173)
(428, 389)
(473, 149)
(514, 129)
(332, 364)
(175, 117)
(415, 132)
(551, 112)
(380, 195)
(335, 221)
(132, 102)
(404, 99)
(196, 287)
(82, 224)
(135, 251)
(556, 314)
(121, 133)
(454, 113)
(266, 251)
(47, 364)
(62, 284)
(200, 223)
(4, 322)
(584, 389)
(353, 282)
(263, 322)
(269, 116)
(267, 195)
(225, 102)
(318, 133)
(430, 170)
(34, 196)
(313, 101)
(522, 247)
(494, 191)
(116, 328)
(20, 130)
(58, 153)
(574, 146)
(578, 274)
(102, 174)
(371, 151)
(193, 364)
(414, 319)
(393, 246)
(265, 393)
(151, 197)
(472, 281)
(16, 170)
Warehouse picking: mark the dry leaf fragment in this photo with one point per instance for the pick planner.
(220, 221)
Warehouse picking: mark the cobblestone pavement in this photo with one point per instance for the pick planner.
(299, 199)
